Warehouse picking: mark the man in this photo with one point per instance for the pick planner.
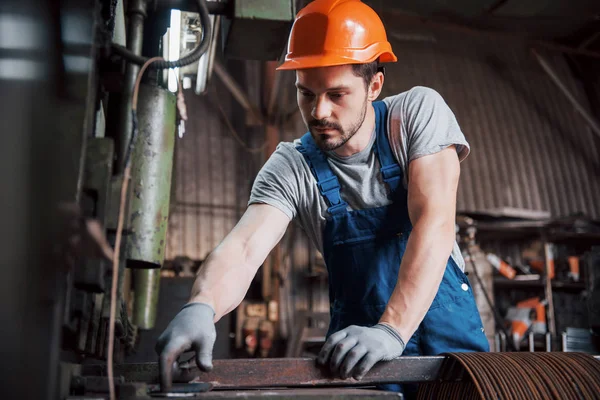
(374, 185)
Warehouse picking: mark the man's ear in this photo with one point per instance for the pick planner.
(376, 86)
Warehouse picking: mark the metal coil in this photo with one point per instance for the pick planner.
(504, 376)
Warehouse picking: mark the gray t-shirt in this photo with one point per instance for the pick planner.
(419, 123)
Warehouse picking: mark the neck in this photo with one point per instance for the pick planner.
(361, 138)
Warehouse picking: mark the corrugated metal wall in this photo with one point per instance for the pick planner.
(532, 154)
(212, 176)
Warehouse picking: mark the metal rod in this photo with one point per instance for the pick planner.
(214, 7)
(295, 372)
(497, 342)
(151, 172)
(589, 118)
(497, 317)
(531, 342)
(236, 91)
(283, 372)
(589, 40)
(136, 13)
(273, 82)
(549, 256)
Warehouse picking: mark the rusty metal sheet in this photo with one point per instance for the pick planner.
(303, 394)
(284, 372)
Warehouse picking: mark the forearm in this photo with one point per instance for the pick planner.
(224, 279)
(421, 272)
(226, 274)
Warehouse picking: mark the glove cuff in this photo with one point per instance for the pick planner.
(391, 331)
(190, 305)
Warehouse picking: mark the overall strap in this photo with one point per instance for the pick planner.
(390, 169)
(327, 182)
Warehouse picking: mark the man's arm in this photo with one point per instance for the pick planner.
(220, 286)
(225, 276)
(432, 186)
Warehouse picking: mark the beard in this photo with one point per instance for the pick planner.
(329, 143)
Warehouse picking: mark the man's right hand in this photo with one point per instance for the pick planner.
(192, 329)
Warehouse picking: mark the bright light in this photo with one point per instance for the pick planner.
(19, 32)
(26, 70)
(174, 46)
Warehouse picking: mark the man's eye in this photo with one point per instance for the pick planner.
(305, 93)
(336, 95)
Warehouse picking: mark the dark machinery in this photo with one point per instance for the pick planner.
(68, 74)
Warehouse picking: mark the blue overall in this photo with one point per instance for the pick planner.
(363, 250)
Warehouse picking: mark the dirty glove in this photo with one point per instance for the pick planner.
(354, 350)
(191, 329)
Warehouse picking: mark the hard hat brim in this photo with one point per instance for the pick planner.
(331, 60)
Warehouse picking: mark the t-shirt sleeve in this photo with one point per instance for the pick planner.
(277, 182)
(430, 125)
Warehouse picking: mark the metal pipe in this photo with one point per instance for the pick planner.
(146, 289)
(275, 88)
(589, 118)
(151, 172)
(503, 340)
(236, 91)
(531, 342)
(214, 7)
(550, 268)
(136, 13)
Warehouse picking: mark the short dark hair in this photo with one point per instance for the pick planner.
(366, 71)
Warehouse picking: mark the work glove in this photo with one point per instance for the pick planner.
(353, 351)
(192, 328)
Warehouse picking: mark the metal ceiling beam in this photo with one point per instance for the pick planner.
(445, 25)
(589, 118)
(237, 92)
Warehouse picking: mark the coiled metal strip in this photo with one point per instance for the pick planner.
(519, 375)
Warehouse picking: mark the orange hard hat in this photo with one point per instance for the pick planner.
(336, 32)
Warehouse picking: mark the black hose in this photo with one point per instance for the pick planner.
(499, 320)
(190, 58)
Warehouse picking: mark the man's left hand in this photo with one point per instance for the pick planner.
(354, 350)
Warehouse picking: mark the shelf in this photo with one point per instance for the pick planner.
(574, 230)
(556, 285)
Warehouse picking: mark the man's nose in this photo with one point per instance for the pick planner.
(321, 109)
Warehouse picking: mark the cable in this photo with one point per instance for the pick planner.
(115, 271)
(190, 58)
(497, 317)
